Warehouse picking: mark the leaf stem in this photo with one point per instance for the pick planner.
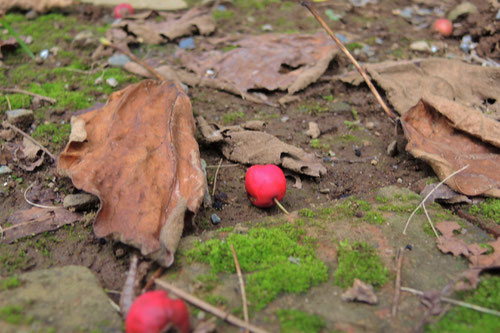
(280, 206)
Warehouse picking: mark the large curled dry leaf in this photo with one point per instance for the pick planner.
(40, 6)
(286, 62)
(433, 129)
(35, 221)
(256, 147)
(143, 4)
(138, 154)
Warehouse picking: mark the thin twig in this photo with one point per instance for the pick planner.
(429, 194)
(8, 102)
(156, 275)
(25, 92)
(132, 56)
(215, 177)
(397, 292)
(280, 206)
(351, 58)
(222, 166)
(430, 222)
(242, 287)
(20, 131)
(128, 293)
(455, 302)
(208, 307)
(34, 204)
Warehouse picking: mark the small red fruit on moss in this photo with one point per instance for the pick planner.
(154, 312)
(443, 26)
(264, 183)
(123, 9)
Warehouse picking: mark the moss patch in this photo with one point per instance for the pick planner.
(295, 321)
(10, 283)
(13, 314)
(264, 255)
(55, 133)
(359, 261)
(462, 320)
(490, 208)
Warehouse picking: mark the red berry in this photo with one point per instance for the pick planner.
(154, 311)
(443, 26)
(123, 9)
(264, 183)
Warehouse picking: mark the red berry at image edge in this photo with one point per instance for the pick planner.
(123, 9)
(154, 312)
(264, 183)
(443, 26)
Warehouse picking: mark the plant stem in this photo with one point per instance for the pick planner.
(280, 206)
(17, 37)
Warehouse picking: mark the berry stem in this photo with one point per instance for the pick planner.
(280, 206)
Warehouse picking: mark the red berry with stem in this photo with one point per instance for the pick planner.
(123, 9)
(265, 185)
(155, 312)
(443, 26)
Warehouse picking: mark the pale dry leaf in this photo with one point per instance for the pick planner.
(141, 159)
(40, 6)
(143, 4)
(360, 292)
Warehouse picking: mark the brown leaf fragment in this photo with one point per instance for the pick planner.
(449, 243)
(432, 138)
(35, 221)
(286, 62)
(360, 292)
(151, 31)
(255, 147)
(141, 159)
(487, 260)
(447, 228)
(40, 6)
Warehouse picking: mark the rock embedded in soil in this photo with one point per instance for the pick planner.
(80, 201)
(20, 117)
(5, 170)
(63, 299)
(392, 148)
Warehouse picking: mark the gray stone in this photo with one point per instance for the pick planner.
(392, 148)
(118, 60)
(85, 39)
(112, 82)
(80, 201)
(63, 299)
(4, 170)
(20, 117)
(215, 219)
(421, 46)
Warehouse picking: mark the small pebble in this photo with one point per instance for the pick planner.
(112, 82)
(324, 190)
(284, 119)
(215, 219)
(421, 46)
(377, 133)
(342, 38)
(221, 8)
(28, 40)
(357, 152)
(373, 162)
(370, 125)
(187, 43)
(119, 252)
(44, 54)
(118, 60)
(400, 181)
(266, 27)
(5, 170)
(359, 214)
(392, 148)
(409, 247)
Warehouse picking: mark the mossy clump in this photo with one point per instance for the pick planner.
(219, 15)
(349, 207)
(296, 321)
(13, 314)
(265, 256)
(317, 144)
(359, 261)
(231, 117)
(490, 208)
(374, 218)
(306, 212)
(55, 133)
(17, 101)
(463, 320)
(10, 282)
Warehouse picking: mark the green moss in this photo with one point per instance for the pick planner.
(306, 212)
(351, 125)
(228, 48)
(55, 133)
(264, 255)
(374, 218)
(317, 144)
(349, 138)
(216, 300)
(231, 117)
(314, 108)
(463, 320)
(431, 180)
(17, 101)
(10, 282)
(490, 208)
(222, 15)
(255, 4)
(353, 46)
(381, 199)
(359, 261)
(296, 321)
(349, 207)
(401, 209)
(208, 281)
(13, 314)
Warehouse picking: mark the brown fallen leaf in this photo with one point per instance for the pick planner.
(443, 193)
(447, 228)
(360, 292)
(139, 156)
(286, 62)
(35, 221)
(255, 147)
(10, 43)
(432, 138)
(487, 260)
(448, 243)
(143, 4)
(147, 28)
(40, 6)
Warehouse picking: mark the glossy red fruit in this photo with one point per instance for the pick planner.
(123, 9)
(443, 26)
(264, 183)
(154, 312)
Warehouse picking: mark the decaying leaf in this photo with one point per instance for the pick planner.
(139, 156)
(360, 292)
(286, 62)
(40, 6)
(433, 138)
(484, 260)
(143, 4)
(35, 221)
(448, 243)
(405, 82)
(256, 147)
(149, 30)
(8, 43)
(443, 193)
